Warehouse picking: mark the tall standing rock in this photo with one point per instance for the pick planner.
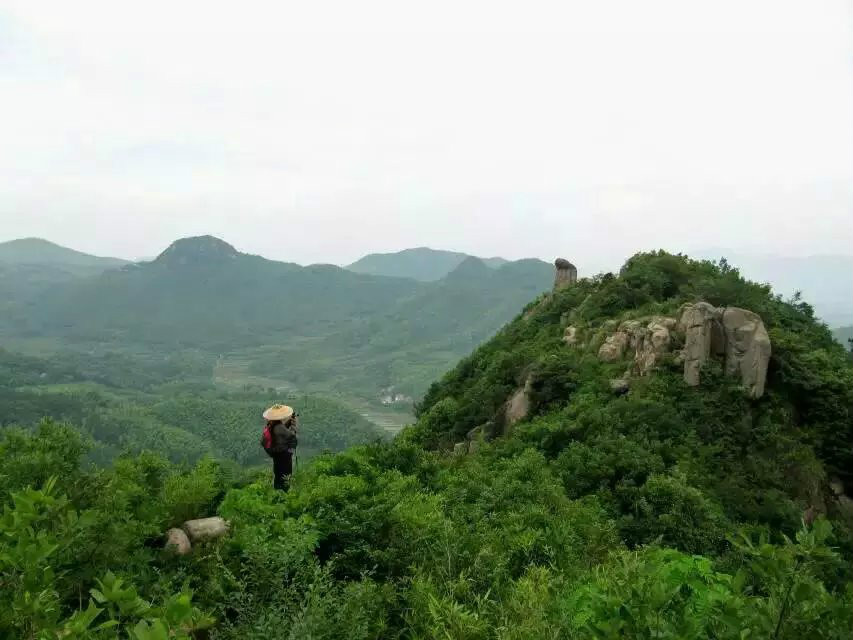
(565, 275)
(700, 334)
(747, 348)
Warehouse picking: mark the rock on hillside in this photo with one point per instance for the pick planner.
(627, 352)
(738, 336)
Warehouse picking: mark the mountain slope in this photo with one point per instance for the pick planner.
(201, 292)
(407, 344)
(37, 251)
(316, 327)
(422, 263)
(809, 381)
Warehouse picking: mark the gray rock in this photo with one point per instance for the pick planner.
(206, 528)
(836, 486)
(518, 405)
(570, 336)
(736, 334)
(652, 341)
(178, 542)
(614, 347)
(747, 348)
(697, 322)
(566, 274)
(619, 386)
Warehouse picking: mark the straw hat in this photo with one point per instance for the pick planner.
(278, 412)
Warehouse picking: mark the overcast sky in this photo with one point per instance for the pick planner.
(320, 131)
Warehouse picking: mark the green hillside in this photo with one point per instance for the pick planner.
(409, 343)
(647, 510)
(166, 406)
(422, 263)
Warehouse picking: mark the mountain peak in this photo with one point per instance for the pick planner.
(198, 249)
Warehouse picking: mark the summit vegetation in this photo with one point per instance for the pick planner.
(665, 512)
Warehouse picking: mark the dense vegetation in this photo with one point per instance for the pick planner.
(168, 406)
(669, 512)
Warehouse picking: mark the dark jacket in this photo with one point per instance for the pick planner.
(283, 438)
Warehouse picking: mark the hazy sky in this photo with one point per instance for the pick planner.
(320, 131)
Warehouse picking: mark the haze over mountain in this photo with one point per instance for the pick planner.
(825, 281)
(421, 263)
(319, 326)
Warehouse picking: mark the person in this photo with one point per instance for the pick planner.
(280, 441)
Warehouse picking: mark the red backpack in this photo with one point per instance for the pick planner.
(266, 440)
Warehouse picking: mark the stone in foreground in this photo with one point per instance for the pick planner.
(205, 528)
(178, 542)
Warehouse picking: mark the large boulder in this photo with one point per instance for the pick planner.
(620, 386)
(205, 529)
(178, 542)
(699, 322)
(747, 348)
(736, 334)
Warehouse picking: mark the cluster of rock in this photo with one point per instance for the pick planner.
(193, 531)
(699, 331)
(738, 336)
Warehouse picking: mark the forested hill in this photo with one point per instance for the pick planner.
(201, 292)
(337, 330)
(422, 263)
(659, 453)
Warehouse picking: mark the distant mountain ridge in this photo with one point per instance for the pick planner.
(421, 263)
(33, 251)
(311, 326)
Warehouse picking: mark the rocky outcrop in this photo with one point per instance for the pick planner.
(178, 542)
(205, 529)
(566, 274)
(614, 347)
(570, 336)
(654, 342)
(747, 348)
(518, 405)
(738, 336)
(647, 339)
